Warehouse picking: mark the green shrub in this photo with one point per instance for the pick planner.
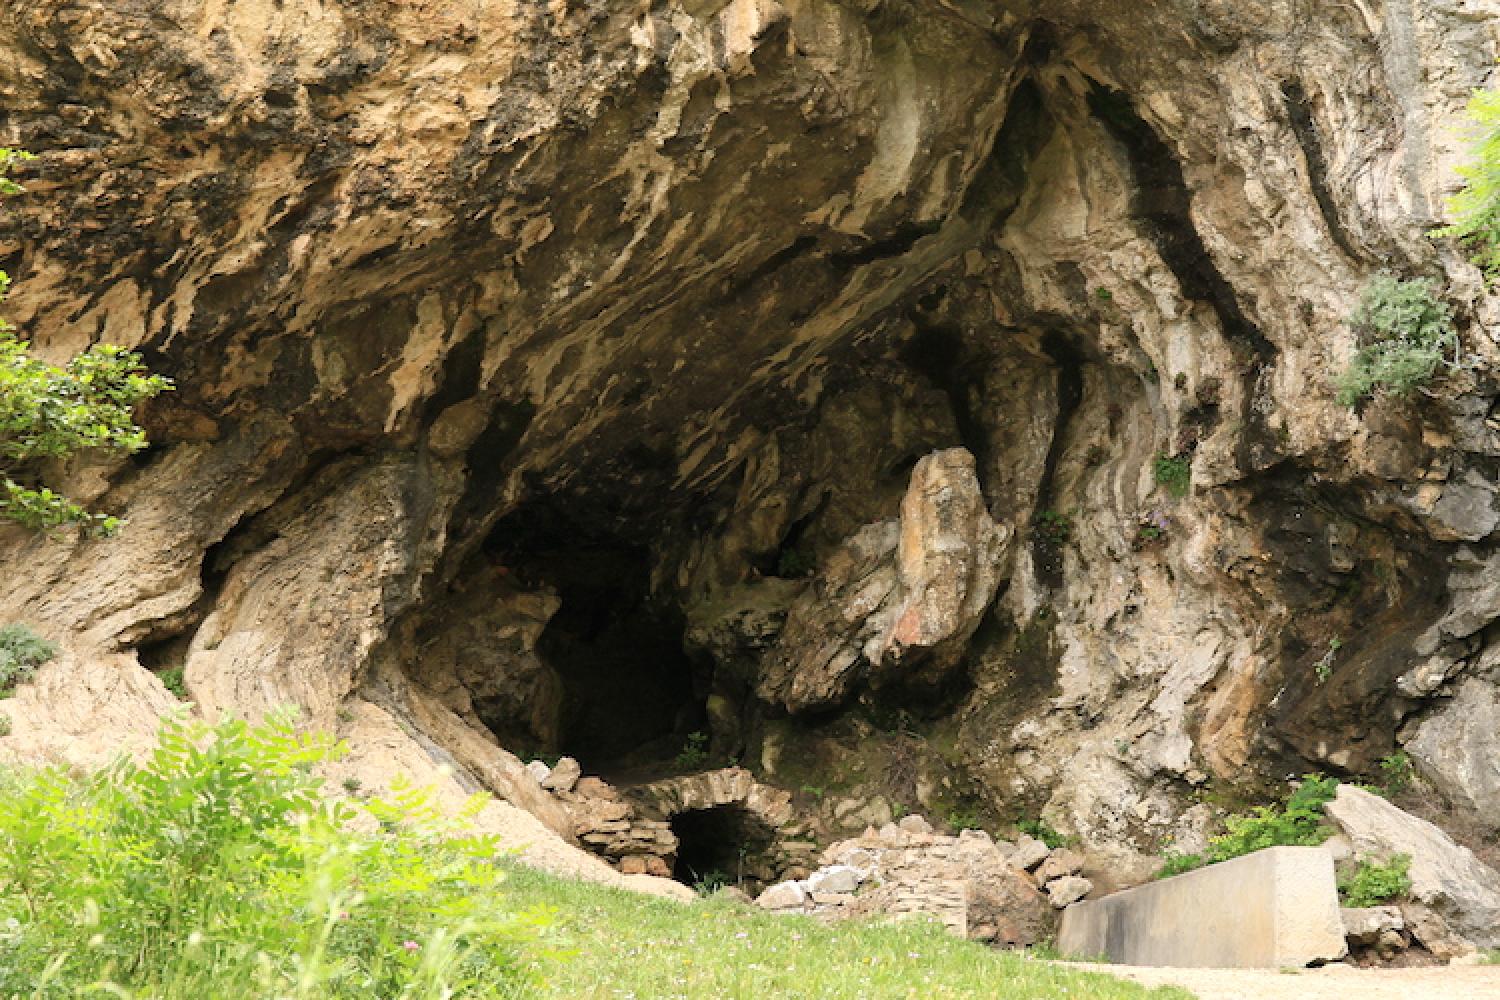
(1040, 829)
(1174, 473)
(22, 652)
(1398, 771)
(1054, 526)
(216, 869)
(172, 679)
(1173, 863)
(1405, 331)
(694, 753)
(1298, 823)
(49, 412)
(1373, 884)
(1476, 209)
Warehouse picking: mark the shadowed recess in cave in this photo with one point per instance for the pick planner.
(629, 694)
(719, 844)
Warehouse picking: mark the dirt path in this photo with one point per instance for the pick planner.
(1337, 982)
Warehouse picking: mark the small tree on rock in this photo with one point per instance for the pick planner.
(50, 412)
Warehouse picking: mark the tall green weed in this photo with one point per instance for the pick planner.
(217, 869)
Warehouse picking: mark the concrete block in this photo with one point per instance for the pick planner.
(1277, 908)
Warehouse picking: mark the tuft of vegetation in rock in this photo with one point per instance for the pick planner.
(1373, 883)
(1297, 823)
(216, 868)
(1054, 526)
(1041, 830)
(22, 653)
(1398, 772)
(1476, 209)
(1323, 669)
(694, 753)
(1405, 331)
(49, 413)
(171, 679)
(1174, 473)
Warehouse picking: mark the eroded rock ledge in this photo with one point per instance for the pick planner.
(551, 378)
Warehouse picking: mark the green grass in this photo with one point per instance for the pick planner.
(615, 944)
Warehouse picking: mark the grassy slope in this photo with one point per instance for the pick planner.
(616, 944)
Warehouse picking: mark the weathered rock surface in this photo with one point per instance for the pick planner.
(1444, 876)
(519, 347)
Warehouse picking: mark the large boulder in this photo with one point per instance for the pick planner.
(898, 598)
(1444, 876)
(1454, 748)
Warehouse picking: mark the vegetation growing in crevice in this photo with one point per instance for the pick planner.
(1174, 473)
(1373, 883)
(1054, 527)
(22, 652)
(1406, 333)
(1043, 831)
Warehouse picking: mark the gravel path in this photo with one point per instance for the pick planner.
(1336, 982)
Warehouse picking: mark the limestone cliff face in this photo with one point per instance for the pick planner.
(537, 361)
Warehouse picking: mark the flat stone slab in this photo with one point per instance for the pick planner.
(1277, 908)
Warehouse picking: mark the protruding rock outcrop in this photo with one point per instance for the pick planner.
(898, 601)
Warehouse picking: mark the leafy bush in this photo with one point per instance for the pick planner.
(1299, 823)
(216, 869)
(694, 753)
(1373, 883)
(1040, 829)
(1174, 473)
(1405, 331)
(171, 679)
(22, 651)
(1054, 526)
(49, 412)
(1476, 209)
(1399, 772)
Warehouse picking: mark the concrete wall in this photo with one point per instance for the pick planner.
(1272, 909)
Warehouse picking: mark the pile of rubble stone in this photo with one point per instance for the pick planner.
(994, 891)
(605, 823)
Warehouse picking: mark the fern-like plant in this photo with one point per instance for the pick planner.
(1476, 209)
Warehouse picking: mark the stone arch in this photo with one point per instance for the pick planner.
(726, 825)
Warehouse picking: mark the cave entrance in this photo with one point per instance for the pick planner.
(723, 845)
(629, 694)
